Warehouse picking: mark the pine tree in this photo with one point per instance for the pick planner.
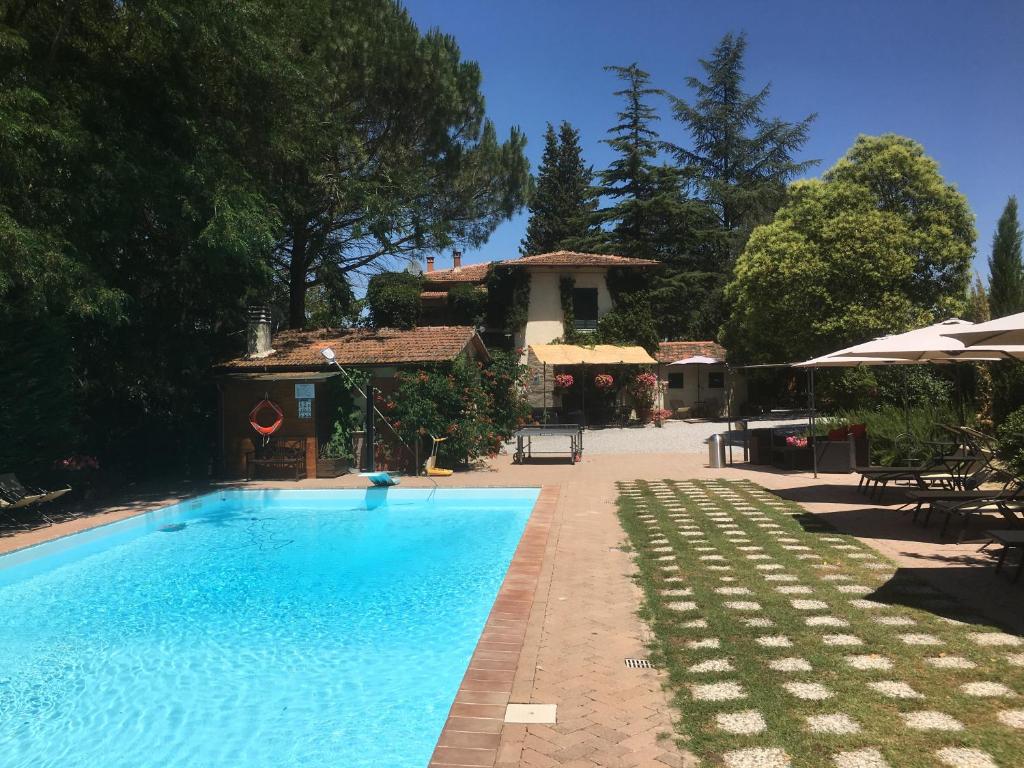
(563, 204)
(740, 161)
(651, 216)
(1006, 270)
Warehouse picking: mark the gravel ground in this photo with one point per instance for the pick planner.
(674, 437)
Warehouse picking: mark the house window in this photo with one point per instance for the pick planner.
(675, 381)
(584, 308)
(716, 380)
(305, 409)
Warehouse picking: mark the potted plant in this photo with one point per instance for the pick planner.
(336, 453)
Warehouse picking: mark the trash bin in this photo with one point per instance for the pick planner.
(716, 451)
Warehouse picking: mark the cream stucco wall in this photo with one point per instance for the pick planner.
(544, 317)
(688, 397)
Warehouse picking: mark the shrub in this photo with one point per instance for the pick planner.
(393, 299)
(476, 406)
(466, 304)
(1011, 441)
(887, 429)
(642, 388)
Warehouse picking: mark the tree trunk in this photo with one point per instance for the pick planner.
(297, 280)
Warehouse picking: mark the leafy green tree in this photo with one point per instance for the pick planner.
(740, 161)
(393, 299)
(1006, 270)
(881, 244)
(563, 203)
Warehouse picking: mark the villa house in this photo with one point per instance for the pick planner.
(545, 315)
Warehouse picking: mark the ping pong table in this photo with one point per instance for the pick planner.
(526, 451)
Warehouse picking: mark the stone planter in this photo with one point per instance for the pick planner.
(331, 467)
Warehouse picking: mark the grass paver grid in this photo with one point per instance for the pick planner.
(796, 633)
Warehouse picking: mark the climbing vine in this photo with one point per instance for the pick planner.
(508, 298)
(566, 285)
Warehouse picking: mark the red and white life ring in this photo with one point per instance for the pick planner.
(271, 428)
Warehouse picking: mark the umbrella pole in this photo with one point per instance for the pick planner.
(544, 390)
(811, 420)
(906, 411)
(583, 394)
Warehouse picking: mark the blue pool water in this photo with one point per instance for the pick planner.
(252, 629)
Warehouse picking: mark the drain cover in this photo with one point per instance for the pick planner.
(639, 664)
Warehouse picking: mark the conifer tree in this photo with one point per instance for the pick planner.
(563, 203)
(740, 161)
(1006, 270)
(1006, 297)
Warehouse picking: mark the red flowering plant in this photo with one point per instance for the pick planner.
(604, 382)
(642, 389)
(77, 463)
(796, 442)
(564, 381)
(476, 406)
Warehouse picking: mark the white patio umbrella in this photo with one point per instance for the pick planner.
(923, 345)
(698, 360)
(1001, 332)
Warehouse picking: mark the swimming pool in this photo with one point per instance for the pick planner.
(252, 628)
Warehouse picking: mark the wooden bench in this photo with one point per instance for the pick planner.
(284, 453)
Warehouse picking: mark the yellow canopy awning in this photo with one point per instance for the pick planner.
(600, 354)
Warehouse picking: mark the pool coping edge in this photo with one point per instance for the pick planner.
(472, 731)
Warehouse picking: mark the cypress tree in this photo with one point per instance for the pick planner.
(1006, 297)
(739, 160)
(1006, 271)
(563, 204)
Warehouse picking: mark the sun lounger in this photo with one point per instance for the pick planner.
(1010, 509)
(15, 495)
(945, 472)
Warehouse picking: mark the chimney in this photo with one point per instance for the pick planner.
(258, 332)
(430, 263)
(456, 259)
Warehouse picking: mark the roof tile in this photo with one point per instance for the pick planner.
(670, 351)
(300, 350)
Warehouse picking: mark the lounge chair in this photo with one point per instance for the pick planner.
(15, 495)
(946, 472)
(1010, 508)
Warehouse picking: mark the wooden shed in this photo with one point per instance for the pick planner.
(290, 371)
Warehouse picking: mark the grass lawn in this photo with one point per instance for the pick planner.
(787, 643)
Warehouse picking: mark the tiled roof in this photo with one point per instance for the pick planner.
(433, 294)
(471, 273)
(300, 350)
(573, 259)
(670, 351)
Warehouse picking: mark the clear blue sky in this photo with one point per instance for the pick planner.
(948, 74)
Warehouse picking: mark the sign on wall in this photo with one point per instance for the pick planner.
(305, 391)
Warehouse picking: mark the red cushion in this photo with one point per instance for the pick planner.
(859, 431)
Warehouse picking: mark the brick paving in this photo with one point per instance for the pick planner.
(583, 622)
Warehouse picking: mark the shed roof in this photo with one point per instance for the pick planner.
(300, 350)
(670, 351)
(599, 354)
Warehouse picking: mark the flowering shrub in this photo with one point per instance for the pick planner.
(642, 388)
(476, 407)
(796, 442)
(78, 463)
(604, 381)
(563, 381)
(662, 414)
